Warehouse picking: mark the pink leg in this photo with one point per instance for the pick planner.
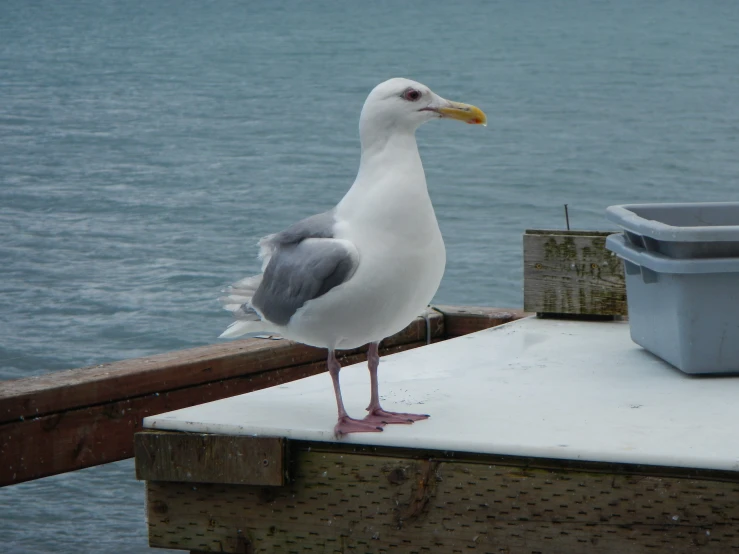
(376, 413)
(347, 424)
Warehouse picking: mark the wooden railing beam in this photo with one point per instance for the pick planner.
(79, 418)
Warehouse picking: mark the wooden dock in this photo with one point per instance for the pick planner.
(536, 456)
(553, 436)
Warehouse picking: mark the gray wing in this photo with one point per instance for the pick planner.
(320, 226)
(299, 270)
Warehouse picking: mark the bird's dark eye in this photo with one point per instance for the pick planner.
(412, 94)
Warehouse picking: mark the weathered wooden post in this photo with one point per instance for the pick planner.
(570, 273)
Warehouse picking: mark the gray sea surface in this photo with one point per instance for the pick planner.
(145, 146)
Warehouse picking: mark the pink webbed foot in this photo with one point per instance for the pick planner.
(347, 425)
(378, 415)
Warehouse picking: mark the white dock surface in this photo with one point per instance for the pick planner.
(546, 388)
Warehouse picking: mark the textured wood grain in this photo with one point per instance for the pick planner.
(206, 458)
(79, 418)
(572, 273)
(76, 388)
(463, 320)
(342, 502)
(76, 439)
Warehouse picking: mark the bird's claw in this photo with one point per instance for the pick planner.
(347, 425)
(378, 415)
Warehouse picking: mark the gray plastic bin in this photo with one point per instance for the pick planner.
(684, 311)
(698, 230)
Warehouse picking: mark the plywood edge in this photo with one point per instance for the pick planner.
(294, 448)
(521, 462)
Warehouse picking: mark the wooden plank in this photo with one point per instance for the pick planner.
(106, 383)
(341, 501)
(523, 462)
(197, 457)
(80, 418)
(64, 390)
(572, 273)
(90, 436)
(463, 320)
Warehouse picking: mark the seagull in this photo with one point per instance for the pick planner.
(367, 268)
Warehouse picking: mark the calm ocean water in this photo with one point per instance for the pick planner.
(146, 146)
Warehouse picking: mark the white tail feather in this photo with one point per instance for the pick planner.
(238, 299)
(240, 293)
(240, 328)
(248, 284)
(238, 302)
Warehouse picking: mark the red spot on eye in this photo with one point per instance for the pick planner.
(412, 95)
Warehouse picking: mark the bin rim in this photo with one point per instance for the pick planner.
(658, 263)
(624, 216)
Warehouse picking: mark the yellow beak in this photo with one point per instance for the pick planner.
(463, 112)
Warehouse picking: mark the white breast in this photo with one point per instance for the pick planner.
(389, 218)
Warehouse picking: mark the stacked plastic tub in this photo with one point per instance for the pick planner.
(682, 281)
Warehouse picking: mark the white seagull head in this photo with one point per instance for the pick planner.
(399, 105)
